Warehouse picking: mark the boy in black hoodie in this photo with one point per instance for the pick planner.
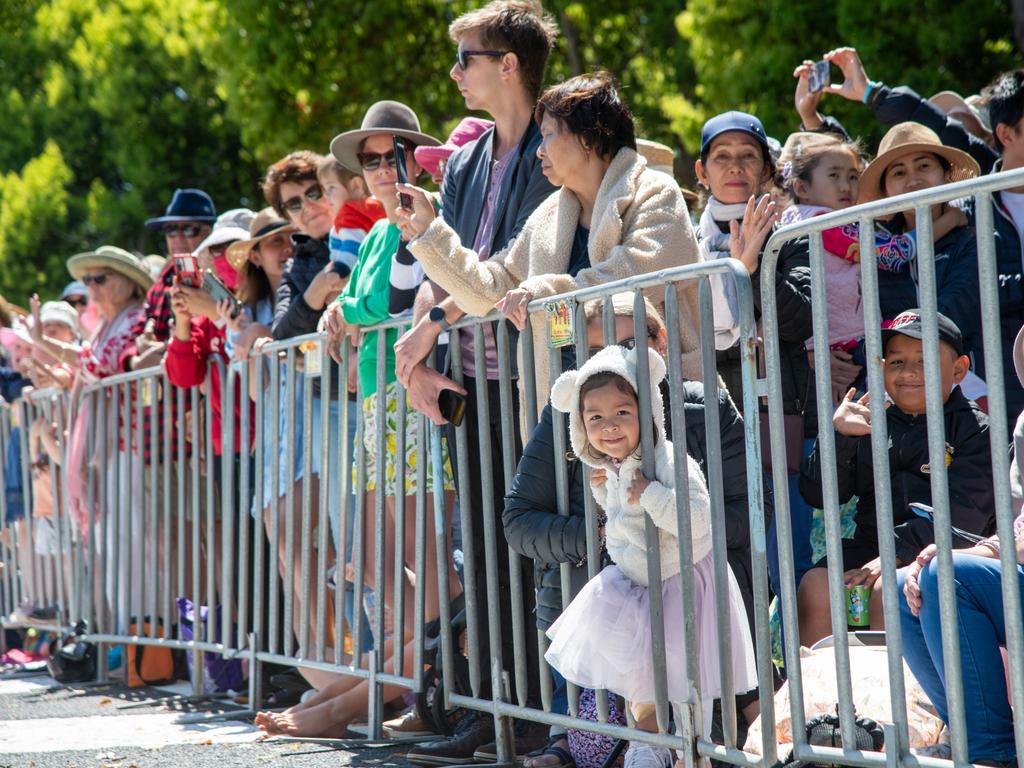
(968, 462)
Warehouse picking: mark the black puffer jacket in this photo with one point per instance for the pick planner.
(969, 460)
(793, 301)
(534, 528)
(292, 315)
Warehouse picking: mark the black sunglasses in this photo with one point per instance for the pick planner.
(187, 230)
(370, 161)
(81, 301)
(99, 279)
(462, 57)
(629, 343)
(294, 204)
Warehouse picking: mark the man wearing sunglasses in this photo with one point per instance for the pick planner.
(186, 222)
(491, 187)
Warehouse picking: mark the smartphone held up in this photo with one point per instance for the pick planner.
(404, 201)
(819, 77)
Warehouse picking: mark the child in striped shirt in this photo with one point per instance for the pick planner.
(353, 209)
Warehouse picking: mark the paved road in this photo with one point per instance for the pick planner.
(45, 725)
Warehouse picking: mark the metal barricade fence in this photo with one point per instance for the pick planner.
(37, 542)
(897, 740)
(250, 530)
(508, 700)
(251, 539)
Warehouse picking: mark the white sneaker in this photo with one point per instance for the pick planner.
(645, 756)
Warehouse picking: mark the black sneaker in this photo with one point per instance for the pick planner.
(472, 732)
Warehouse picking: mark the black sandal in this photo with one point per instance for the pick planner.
(561, 753)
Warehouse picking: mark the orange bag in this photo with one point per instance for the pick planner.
(148, 664)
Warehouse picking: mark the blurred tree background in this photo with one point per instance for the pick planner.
(108, 107)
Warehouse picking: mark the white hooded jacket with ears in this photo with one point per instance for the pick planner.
(625, 527)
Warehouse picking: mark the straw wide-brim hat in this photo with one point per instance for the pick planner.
(392, 117)
(113, 259)
(659, 156)
(264, 224)
(906, 139)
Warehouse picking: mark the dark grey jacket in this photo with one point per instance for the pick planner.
(292, 315)
(467, 179)
(534, 528)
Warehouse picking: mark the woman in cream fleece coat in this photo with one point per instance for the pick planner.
(634, 221)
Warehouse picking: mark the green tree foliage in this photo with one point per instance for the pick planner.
(117, 95)
(107, 107)
(39, 194)
(744, 52)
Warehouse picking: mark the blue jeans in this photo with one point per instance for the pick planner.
(801, 516)
(982, 629)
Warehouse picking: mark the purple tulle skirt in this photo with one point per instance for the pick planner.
(603, 639)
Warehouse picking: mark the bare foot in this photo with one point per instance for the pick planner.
(316, 722)
(265, 722)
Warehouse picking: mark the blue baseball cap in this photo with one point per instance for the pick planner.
(76, 288)
(733, 121)
(186, 205)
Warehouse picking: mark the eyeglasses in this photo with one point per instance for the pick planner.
(629, 343)
(81, 301)
(216, 251)
(370, 161)
(99, 279)
(182, 230)
(294, 205)
(462, 57)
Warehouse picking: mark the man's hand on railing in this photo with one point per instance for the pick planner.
(514, 305)
(747, 239)
(414, 347)
(425, 385)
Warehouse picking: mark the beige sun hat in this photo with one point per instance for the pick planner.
(905, 139)
(113, 259)
(392, 117)
(264, 224)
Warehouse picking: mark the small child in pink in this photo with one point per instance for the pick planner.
(821, 172)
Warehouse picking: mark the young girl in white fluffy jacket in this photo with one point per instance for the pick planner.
(603, 638)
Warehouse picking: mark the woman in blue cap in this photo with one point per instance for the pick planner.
(735, 167)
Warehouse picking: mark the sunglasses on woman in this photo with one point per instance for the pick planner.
(99, 279)
(182, 230)
(77, 301)
(370, 161)
(294, 205)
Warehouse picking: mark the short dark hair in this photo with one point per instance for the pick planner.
(590, 107)
(1005, 97)
(296, 167)
(519, 26)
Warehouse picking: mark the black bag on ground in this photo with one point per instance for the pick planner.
(73, 660)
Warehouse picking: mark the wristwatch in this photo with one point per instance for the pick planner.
(437, 316)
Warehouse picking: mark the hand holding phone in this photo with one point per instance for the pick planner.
(819, 76)
(404, 201)
(219, 292)
(186, 267)
(452, 406)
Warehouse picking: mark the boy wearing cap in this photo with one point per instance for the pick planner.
(968, 462)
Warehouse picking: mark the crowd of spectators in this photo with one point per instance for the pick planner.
(554, 192)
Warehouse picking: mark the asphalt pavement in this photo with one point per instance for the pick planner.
(47, 725)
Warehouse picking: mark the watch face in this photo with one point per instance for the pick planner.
(437, 314)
